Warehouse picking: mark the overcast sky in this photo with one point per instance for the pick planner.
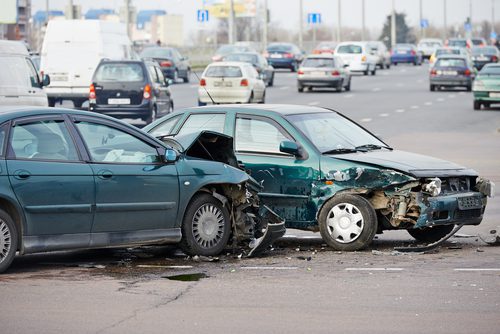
(286, 12)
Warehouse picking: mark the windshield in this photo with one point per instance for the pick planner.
(246, 58)
(490, 70)
(450, 62)
(279, 47)
(223, 71)
(122, 72)
(318, 62)
(330, 131)
(484, 51)
(157, 53)
(350, 49)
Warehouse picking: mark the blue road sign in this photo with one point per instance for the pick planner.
(467, 26)
(202, 15)
(314, 18)
(424, 23)
(493, 35)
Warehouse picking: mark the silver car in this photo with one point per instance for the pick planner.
(323, 71)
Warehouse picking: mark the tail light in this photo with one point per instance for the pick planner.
(217, 58)
(363, 58)
(316, 52)
(288, 55)
(413, 52)
(244, 83)
(203, 83)
(335, 73)
(494, 59)
(300, 72)
(433, 72)
(147, 92)
(467, 72)
(166, 63)
(92, 95)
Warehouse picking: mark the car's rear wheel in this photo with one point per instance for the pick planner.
(374, 71)
(188, 75)
(339, 86)
(300, 88)
(347, 222)
(388, 66)
(430, 234)
(365, 72)
(271, 82)
(432, 88)
(477, 105)
(206, 226)
(263, 100)
(8, 240)
(469, 88)
(348, 86)
(152, 116)
(52, 102)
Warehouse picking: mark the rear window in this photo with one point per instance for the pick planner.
(403, 47)
(484, 51)
(223, 71)
(350, 49)
(119, 72)
(460, 43)
(318, 62)
(280, 47)
(157, 53)
(447, 52)
(450, 62)
(241, 57)
(490, 70)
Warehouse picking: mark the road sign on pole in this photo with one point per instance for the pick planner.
(313, 18)
(424, 23)
(202, 15)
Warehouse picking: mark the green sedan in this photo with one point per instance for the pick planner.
(486, 87)
(321, 171)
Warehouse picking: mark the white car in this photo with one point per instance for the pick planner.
(231, 82)
(427, 46)
(357, 55)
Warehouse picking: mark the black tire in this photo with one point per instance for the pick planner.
(339, 86)
(430, 234)
(348, 86)
(432, 88)
(152, 117)
(374, 71)
(188, 75)
(395, 64)
(52, 102)
(263, 98)
(206, 226)
(415, 63)
(365, 72)
(388, 66)
(294, 67)
(271, 82)
(9, 237)
(469, 88)
(78, 103)
(361, 222)
(477, 105)
(300, 89)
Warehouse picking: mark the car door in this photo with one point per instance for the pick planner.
(135, 190)
(53, 185)
(161, 90)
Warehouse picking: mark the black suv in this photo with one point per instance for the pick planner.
(130, 89)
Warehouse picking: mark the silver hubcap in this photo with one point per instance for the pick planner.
(345, 223)
(5, 240)
(208, 225)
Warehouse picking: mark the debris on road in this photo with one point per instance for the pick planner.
(493, 238)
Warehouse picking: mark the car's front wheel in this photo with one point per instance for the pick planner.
(430, 234)
(477, 105)
(206, 226)
(8, 240)
(347, 222)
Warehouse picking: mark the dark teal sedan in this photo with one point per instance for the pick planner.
(321, 171)
(73, 179)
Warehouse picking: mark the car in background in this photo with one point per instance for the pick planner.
(405, 53)
(478, 41)
(173, 64)
(452, 71)
(20, 83)
(284, 55)
(486, 87)
(231, 82)
(459, 43)
(325, 47)
(226, 49)
(323, 71)
(483, 55)
(130, 89)
(107, 184)
(357, 56)
(379, 50)
(427, 46)
(446, 50)
(322, 171)
(258, 61)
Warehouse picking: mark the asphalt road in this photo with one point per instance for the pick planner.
(300, 286)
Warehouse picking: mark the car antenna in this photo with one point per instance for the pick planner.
(204, 87)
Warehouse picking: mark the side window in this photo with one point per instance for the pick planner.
(3, 134)
(35, 82)
(165, 127)
(161, 78)
(197, 122)
(258, 136)
(152, 72)
(109, 145)
(43, 140)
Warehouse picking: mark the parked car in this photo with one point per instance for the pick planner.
(231, 82)
(71, 51)
(452, 71)
(20, 83)
(405, 53)
(327, 47)
(447, 51)
(226, 49)
(379, 50)
(76, 180)
(323, 71)
(173, 64)
(322, 171)
(266, 71)
(357, 55)
(427, 46)
(486, 87)
(482, 55)
(459, 42)
(284, 55)
(130, 89)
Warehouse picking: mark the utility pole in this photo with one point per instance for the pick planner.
(301, 25)
(421, 17)
(492, 15)
(444, 21)
(231, 22)
(71, 15)
(363, 28)
(264, 28)
(127, 18)
(393, 25)
(46, 12)
(339, 23)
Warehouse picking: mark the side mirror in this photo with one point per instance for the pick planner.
(346, 65)
(289, 147)
(168, 82)
(45, 80)
(171, 155)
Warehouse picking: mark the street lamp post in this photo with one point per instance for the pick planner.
(444, 21)
(301, 23)
(339, 22)
(393, 25)
(363, 20)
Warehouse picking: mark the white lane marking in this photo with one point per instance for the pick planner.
(477, 269)
(374, 269)
(269, 268)
(451, 96)
(348, 96)
(400, 110)
(365, 120)
(384, 115)
(428, 103)
(376, 89)
(414, 107)
(193, 86)
(440, 99)
(315, 103)
(284, 87)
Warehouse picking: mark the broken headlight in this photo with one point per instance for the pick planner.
(433, 187)
(486, 187)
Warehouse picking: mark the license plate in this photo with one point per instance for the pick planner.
(470, 202)
(497, 95)
(118, 101)
(318, 74)
(228, 84)
(276, 56)
(449, 72)
(217, 83)
(402, 52)
(482, 58)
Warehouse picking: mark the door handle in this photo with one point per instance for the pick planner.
(22, 174)
(104, 174)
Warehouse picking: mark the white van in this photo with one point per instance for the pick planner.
(19, 80)
(357, 55)
(71, 51)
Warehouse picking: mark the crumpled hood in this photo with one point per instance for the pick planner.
(411, 163)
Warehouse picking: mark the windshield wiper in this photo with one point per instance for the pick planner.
(370, 147)
(341, 150)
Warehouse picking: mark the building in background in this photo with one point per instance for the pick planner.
(15, 17)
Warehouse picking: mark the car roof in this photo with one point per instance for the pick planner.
(228, 63)
(13, 47)
(281, 109)
(322, 55)
(453, 56)
(11, 112)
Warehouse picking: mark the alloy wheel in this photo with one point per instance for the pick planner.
(345, 222)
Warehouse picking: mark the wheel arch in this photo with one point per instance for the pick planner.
(15, 212)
